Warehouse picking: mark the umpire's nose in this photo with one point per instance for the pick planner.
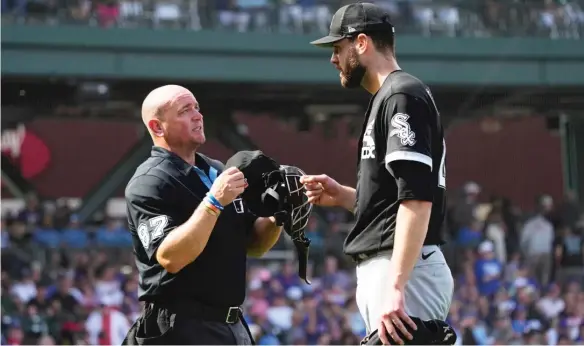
(197, 116)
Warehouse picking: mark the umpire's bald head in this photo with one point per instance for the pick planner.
(171, 113)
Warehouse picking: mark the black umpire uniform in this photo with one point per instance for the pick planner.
(200, 304)
(402, 127)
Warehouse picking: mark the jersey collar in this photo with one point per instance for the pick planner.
(181, 164)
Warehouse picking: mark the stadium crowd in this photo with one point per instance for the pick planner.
(519, 278)
(476, 18)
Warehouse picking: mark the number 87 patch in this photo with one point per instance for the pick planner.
(151, 230)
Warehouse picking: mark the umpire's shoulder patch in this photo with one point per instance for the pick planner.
(151, 229)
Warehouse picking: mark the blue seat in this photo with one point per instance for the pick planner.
(47, 237)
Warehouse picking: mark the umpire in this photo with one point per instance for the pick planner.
(191, 232)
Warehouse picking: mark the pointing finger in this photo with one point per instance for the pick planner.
(305, 179)
(313, 178)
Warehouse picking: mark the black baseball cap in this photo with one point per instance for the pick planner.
(353, 19)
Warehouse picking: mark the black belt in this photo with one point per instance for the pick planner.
(229, 315)
(364, 256)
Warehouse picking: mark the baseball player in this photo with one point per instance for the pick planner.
(399, 201)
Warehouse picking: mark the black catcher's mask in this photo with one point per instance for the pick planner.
(275, 190)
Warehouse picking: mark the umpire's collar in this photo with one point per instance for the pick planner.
(183, 166)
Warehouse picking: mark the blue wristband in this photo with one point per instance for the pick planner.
(211, 199)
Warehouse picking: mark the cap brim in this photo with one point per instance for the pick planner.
(327, 41)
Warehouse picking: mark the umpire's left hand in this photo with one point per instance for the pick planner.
(394, 317)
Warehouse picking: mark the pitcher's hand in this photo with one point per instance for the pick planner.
(322, 190)
(395, 318)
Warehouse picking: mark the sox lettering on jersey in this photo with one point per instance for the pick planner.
(402, 129)
(368, 149)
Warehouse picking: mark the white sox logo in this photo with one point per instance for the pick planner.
(402, 129)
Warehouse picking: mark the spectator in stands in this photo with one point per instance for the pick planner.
(14, 335)
(228, 16)
(335, 240)
(33, 324)
(253, 14)
(333, 277)
(470, 236)
(536, 242)
(551, 18)
(463, 212)
(108, 12)
(59, 294)
(113, 234)
(315, 233)
(40, 299)
(488, 270)
(108, 289)
(569, 254)
(107, 325)
(441, 17)
(75, 236)
(32, 214)
(569, 210)
(21, 252)
(168, 13)
(551, 305)
(509, 218)
(79, 11)
(496, 232)
(300, 15)
(288, 277)
(25, 288)
(62, 214)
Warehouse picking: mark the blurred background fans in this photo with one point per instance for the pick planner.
(508, 76)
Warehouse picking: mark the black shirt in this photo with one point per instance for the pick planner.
(402, 125)
(163, 194)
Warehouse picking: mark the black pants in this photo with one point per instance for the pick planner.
(161, 325)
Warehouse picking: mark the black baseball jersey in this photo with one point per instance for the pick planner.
(402, 124)
(163, 194)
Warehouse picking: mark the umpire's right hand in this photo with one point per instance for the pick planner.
(228, 185)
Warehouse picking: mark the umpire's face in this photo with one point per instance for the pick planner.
(183, 122)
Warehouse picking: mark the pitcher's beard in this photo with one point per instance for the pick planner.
(353, 74)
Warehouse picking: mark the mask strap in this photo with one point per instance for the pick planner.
(270, 191)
